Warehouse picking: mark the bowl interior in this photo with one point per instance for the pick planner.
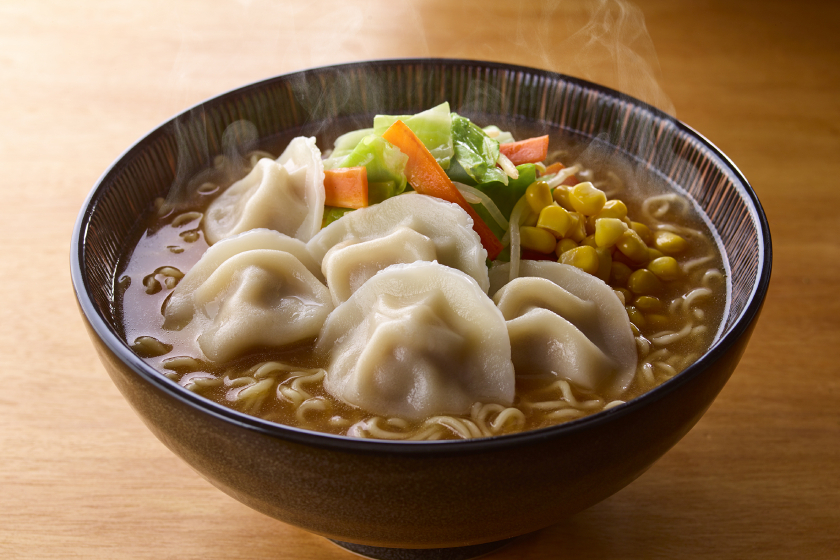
(327, 101)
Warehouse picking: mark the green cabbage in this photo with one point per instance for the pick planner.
(343, 145)
(385, 165)
(433, 127)
(497, 134)
(332, 213)
(476, 152)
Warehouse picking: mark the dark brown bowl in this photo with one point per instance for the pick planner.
(420, 495)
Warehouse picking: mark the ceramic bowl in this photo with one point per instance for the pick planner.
(455, 499)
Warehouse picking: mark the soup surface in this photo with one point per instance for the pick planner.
(675, 314)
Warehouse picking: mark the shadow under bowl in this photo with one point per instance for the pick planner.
(420, 495)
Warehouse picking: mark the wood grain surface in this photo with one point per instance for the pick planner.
(82, 477)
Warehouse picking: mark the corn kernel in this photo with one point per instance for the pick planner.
(589, 240)
(613, 209)
(625, 293)
(537, 239)
(644, 282)
(555, 219)
(619, 273)
(668, 243)
(586, 199)
(654, 254)
(584, 258)
(620, 296)
(608, 230)
(643, 231)
(656, 320)
(666, 268)
(530, 219)
(632, 246)
(578, 229)
(565, 245)
(590, 225)
(561, 197)
(648, 303)
(618, 256)
(636, 316)
(538, 195)
(604, 263)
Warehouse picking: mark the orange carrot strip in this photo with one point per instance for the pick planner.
(554, 168)
(427, 177)
(530, 150)
(346, 187)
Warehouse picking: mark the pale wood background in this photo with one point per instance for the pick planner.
(81, 477)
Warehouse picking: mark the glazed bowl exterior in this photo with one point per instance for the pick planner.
(420, 494)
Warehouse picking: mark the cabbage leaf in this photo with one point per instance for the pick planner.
(476, 152)
(385, 165)
(343, 145)
(433, 127)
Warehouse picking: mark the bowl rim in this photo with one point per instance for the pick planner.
(107, 335)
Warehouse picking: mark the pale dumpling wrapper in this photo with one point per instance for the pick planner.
(286, 195)
(418, 340)
(351, 263)
(180, 307)
(566, 323)
(448, 228)
(235, 301)
(260, 298)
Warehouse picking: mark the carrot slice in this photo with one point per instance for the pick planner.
(570, 181)
(427, 177)
(554, 168)
(530, 150)
(346, 187)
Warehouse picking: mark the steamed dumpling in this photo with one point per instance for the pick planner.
(417, 340)
(286, 195)
(350, 264)
(564, 322)
(445, 234)
(180, 307)
(257, 299)
(235, 301)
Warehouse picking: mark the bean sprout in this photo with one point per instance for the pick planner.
(480, 197)
(562, 175)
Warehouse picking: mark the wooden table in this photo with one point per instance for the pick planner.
(81, 477)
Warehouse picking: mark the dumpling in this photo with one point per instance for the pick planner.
(180, 307)
(351, 263)
(443, 226)
(417, 340)
(232, 302)
(286, 195)
(564, 322)
(260, 298)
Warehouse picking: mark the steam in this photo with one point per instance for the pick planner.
(239, 138)
(613, 48)
(603, 41)
(194, 152)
